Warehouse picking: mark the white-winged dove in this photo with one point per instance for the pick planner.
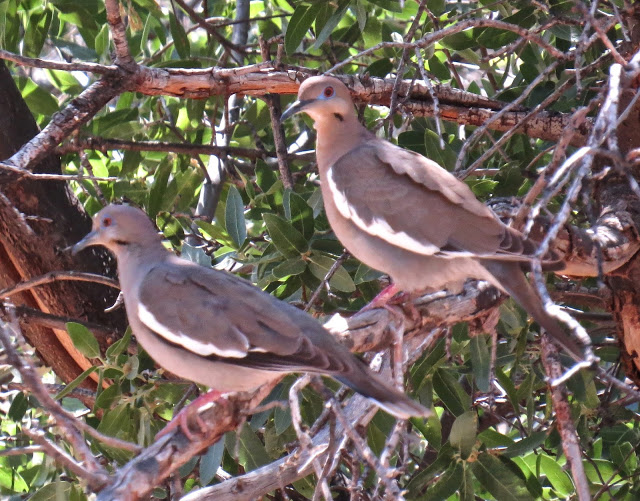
(217, 329)
(406, 216)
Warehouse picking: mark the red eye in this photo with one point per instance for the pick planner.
(106, 222)
(328, 92)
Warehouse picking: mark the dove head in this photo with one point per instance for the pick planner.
(120, 228)
(325, 99)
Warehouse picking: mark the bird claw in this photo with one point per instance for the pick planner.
(182, 419)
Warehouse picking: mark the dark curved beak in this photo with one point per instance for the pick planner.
(89, 240)
(295, 107)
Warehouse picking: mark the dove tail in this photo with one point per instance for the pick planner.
(512, 280)
(389, 399)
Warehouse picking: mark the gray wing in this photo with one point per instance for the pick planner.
(218, 316)
(412, 202)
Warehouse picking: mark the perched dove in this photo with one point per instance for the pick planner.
(219, 330)
(406, 216)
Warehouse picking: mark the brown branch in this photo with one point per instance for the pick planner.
(562, 411)
(209, 28)
(31, 316)
(54, 276)
(119, 35)
(106, 144)
(78, 112)
(35, 62)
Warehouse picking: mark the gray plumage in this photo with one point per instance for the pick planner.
(403, 214)
(219, 330)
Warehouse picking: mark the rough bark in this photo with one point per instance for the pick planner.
(38, 221)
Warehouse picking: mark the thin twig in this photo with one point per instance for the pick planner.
(54, 276)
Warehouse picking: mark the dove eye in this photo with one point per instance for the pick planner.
(328, 92)
(106, 222)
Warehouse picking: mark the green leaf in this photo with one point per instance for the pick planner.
(216, 232)
(37, 99)
(75, 383)
(494, 38)
(292, 266)
(380, 68)
(284, 236)
(119, 346)
(54, 491)
(522, 447)
(463, 433)
(299, 25)
(331, 23)
(180, 39)
(444, 157)
(234, 217)
(299, 213)
(251, 451)
(83, 339)
(450, 392)
(102, 40)
(467, 492)
(156, 194)
(500, 480)
(558, 478)
(320, 265)
(36, 32)
(480, 361)
(210, 462)
(447, 484)
(425, 476)
(108, 396)
(18, 407)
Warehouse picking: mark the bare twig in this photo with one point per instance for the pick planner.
(562, 411)
(92, 471)
(54, 276)
(119, 35)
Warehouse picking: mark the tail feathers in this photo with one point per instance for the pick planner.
(512, 280)
(389, 399)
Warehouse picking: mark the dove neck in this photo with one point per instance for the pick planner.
(336, 137)
(135, 260)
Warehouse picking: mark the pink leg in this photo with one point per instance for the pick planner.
(182, 419)
(381, 300)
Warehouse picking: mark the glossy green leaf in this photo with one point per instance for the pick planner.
(36, 32)
(83, 339)
(234, 217)
(299, 213)
(500, 481)
(521, 447)
(75, 383)
(331, 23)
(180, 40)
(292, 266)
(447, 484)
(299, 24)
(463, 433)
(284, 236)
(251, 451)
(481, 361)
(320, 265)
(210, 462)
(120, 346)
(558, 478)
(450, 392)
(54, 491)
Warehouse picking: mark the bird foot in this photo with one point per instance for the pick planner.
(191, 412)
(383, 298)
